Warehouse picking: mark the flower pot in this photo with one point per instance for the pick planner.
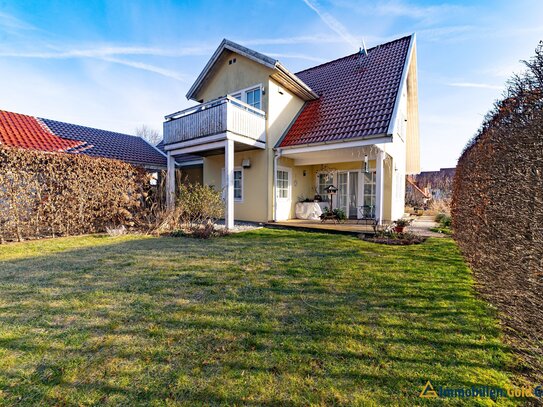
(399, 229)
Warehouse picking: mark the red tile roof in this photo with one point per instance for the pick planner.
(20, 130)
(357, 94)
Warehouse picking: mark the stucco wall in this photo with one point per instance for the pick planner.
(283, 108)
(254, 205)
(229, 78)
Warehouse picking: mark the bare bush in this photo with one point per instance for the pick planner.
(497, 210)
(197, 209)
(57, 194)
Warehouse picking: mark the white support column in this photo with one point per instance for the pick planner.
(170, 183)
(379, 186)
(229, 183)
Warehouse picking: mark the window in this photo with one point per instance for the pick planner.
(238, 187)
(238, 184)
(252, 97)
(323, 181)
(282, 184)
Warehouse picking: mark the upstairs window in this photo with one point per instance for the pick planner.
(252, 97)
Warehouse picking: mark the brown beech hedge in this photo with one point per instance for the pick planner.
(51, 194)
(497, 210)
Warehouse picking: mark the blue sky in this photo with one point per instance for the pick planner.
(119, 64)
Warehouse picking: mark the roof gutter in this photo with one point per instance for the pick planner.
(403, 80)
(385, 136)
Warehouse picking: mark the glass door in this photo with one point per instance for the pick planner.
(353, 195)
(368, 208)
(343, 191)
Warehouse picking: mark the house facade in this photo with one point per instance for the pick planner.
(270, 138)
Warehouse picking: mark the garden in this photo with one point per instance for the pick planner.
(267, 317)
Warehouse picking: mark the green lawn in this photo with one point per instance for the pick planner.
(261, 318)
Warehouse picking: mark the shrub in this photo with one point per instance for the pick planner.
(51, 194)
(197, 209)
(498, 209)
(443, 219)
(199, 204)
(337, 214)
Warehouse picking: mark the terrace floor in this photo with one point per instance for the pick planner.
(349, 227)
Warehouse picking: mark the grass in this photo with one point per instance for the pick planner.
(442, 229)
(261, 318)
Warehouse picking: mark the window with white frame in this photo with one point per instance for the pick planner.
(369, 198)
(252, 97)
(238, 184)
(324, 180)
(282, 184)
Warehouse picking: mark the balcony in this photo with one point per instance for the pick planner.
(218, 119)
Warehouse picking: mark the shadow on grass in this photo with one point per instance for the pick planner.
(266, 317)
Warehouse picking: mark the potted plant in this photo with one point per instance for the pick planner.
(401, 224)
(336, 215)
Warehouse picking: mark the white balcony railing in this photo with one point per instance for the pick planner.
(216, 117)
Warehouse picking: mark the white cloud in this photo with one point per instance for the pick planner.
(474, 85)
(12, 24)
(149, 68)
(100, 52)
(332, 23)
(397, 8)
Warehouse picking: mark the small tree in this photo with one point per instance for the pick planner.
(153, 136)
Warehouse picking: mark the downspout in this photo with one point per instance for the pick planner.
(276, 157)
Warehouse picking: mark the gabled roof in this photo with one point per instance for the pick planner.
(109, 144)
(358, 96)
(19, 130)
(280, 74)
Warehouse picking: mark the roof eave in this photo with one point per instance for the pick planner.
(302, 88)
(383, 136)
(403, 80)
(231, 46)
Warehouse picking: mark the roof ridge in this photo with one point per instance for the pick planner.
(88, 127)
(353, 54)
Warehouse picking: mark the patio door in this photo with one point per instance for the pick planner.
(368, 201)
(353, 195)
(342, 191)
(347, 194)
(283, 194)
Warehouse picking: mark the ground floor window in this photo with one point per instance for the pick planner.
(238, 184)
(324, 180)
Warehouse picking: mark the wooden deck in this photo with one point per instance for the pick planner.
(350, 227)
